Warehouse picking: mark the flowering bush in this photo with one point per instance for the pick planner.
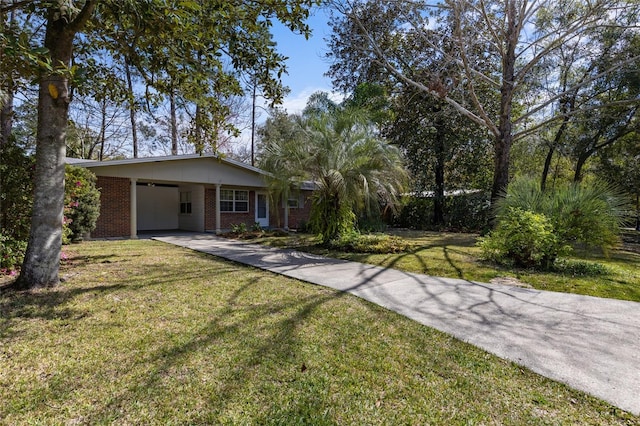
(82, 203)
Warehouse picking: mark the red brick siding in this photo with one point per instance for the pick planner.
(115, 208)
(300, 214)
(226, 218)
(210, 209)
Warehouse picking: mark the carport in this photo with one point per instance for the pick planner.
(189, 193)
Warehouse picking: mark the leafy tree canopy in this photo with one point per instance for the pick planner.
(191, 48)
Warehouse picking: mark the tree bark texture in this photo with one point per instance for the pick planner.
(42, 259)
(6, 116)
(577, 174)
(132, 109)
(174, 123)
(440, 151)
(504, 139)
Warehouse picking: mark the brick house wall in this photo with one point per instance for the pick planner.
(115, 208)
(227, 218)
(296, 215)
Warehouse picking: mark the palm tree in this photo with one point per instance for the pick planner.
(281, 155)
(355, 171)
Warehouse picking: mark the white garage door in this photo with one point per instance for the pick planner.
(158, 207)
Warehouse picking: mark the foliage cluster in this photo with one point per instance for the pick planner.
(455, 255)
(330, 219)
(536, 226)
(355, 242)
(238, 228)
(522, 238)
(338, 147)
(580, 268)
(81, 201)
(590, 213)
(12, 251)
(242, 228)
(464, 212)
(82, 204)
(16, 191)
(192, 56)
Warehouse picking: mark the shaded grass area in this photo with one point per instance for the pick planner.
(455, 255)
(146, 333)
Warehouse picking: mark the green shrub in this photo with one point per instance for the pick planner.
(16, 200)
(328, 220)
(12, 253)
(580, 268)
(240, 228)
(522, 238)
(355, 242)
(580, 214)
(371, 224)
(464, 212)
(82, 202)
(16, 191)
(468, 212)
(416, 213)
(303, 226)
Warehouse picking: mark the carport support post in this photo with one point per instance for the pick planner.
(218, 229)
(134, 209)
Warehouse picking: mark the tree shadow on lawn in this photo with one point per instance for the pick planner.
(272, 329)
(280, 345)
(413, 255)
(53, 303)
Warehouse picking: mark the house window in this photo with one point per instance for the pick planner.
(293, 203)
(232, 200)
(185, 202)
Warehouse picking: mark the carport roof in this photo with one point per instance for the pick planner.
(129, 161)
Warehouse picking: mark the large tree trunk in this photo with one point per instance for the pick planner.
(132, 108)
(577, 175)
(103, 128)
(504, 139)
(6, 90)
(547, 167)
(42, 259)
(438, 205)
(637, 212)
(199, 134)
(6, 115)
(174, 123)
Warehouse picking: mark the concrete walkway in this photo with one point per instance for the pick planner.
(589, 343)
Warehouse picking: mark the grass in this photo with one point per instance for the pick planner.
(455, 255)
(146, 333)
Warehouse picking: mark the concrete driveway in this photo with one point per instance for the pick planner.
(589, 343)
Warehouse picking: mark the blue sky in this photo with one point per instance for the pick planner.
(306, 64)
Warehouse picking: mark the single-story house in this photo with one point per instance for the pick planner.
(205, 193)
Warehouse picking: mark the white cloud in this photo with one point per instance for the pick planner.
(296, 102)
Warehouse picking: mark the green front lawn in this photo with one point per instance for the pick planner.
(146, 333)
(456, 256)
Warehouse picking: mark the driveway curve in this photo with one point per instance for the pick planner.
(589, 343)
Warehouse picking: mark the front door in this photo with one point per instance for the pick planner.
(262, 209)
